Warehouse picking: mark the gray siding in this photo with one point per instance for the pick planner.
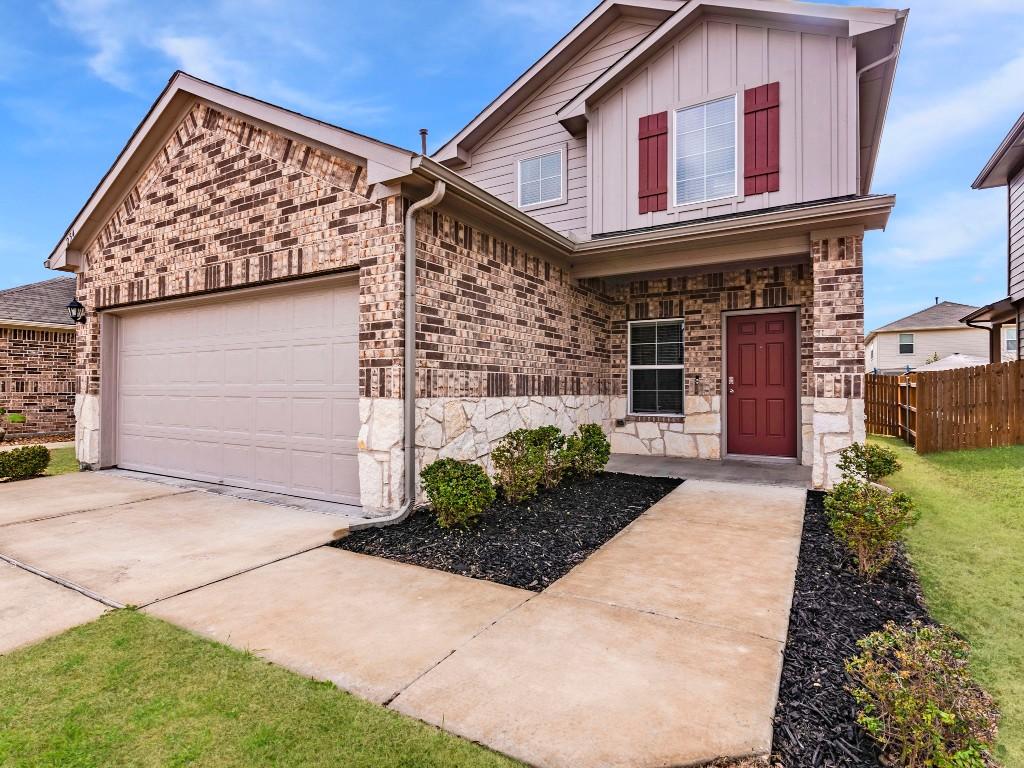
(714, 56)
(1016, 193)
(534, 128)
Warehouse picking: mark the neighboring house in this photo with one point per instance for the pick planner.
(953, 361)
(923, 337)
(1006, 317)
(658, 228)
(37, 356)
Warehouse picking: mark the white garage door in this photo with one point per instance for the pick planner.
(259, 391)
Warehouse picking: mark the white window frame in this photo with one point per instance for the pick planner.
(900, 342)
(630, 367)
(1010, 335)
(563, 159)
(737, 138)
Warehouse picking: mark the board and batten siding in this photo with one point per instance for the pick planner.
(1016, 202)
(927, 344)
(714, 56)
(534, 129)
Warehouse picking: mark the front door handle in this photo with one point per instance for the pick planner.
(731, 391)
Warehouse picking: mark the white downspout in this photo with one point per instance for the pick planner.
(409, 422)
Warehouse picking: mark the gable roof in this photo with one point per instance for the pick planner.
(879, 32)
(43, 303)
(383, 161)
(945, 314)
(528, 83)
(1005, 161)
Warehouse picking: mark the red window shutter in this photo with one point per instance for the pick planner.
(654, 163)
(761, 139)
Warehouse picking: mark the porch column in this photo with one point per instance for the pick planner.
(837, 381)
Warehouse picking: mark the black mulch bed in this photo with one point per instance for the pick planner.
(527, 545)
(833, 607)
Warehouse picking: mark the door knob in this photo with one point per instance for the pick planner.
(731, 391)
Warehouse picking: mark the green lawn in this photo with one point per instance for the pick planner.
(969, 551)
(132, 690)
(62, 460)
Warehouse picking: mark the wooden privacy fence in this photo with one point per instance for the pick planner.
(978, 407)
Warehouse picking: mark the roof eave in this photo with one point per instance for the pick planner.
(1009, 156)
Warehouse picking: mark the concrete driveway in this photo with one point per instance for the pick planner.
(130, 542)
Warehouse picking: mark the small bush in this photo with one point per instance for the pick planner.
(21, 463)
(520, 462)
(587, 452)
(870, 521)
(459, 491)
(868, 462)
(16, 418)
(916, 698)
(551, 442)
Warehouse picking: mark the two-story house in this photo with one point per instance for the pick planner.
(658, 227)
(1005, 318)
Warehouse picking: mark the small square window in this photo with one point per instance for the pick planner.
(906, 343)
(540, 179)
(656, 367)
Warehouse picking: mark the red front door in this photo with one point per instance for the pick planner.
(761, 384)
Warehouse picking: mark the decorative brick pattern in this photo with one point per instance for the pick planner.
(227, 204)
(497, 321)
(37, 379)
(838, 316)
(700, 300)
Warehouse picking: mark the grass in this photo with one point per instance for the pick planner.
(62, 460)
(129, 689)
(968, 549)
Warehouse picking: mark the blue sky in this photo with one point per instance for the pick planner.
(76, 76)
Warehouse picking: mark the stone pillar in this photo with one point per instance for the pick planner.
(837, 382)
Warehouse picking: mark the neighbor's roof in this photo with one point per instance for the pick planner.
(956, 360)
(1005, 161)
(945, 314)
(38, 303)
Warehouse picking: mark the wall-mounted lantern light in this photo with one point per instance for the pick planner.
(77, 311)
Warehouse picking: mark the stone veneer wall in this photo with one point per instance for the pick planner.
(37, 379)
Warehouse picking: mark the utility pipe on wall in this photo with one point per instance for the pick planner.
(409, 421)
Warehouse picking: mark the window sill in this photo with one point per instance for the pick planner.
(665, 418)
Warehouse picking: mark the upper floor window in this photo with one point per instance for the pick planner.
(541, 179)
(906, 343)
(1010, 338)
(705, 151)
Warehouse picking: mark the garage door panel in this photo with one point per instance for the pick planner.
(263, 394)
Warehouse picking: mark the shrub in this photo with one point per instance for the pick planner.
(21, 463)
(916, 698)
(16, 418)
(587, 452)
(868, 462)
(520, 463)
(551, 442)
(870, 521)
(459, 491)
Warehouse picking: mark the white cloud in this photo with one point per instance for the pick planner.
(968, 225)
(203, 57)
(916, 137)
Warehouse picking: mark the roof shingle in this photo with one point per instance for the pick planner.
(945, 314)
(44, 302)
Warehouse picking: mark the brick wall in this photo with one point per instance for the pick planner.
(228, 204)
(37, 379)
(838, 316)
(495, 320)
(700, 300)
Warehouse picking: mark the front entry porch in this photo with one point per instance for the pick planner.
(729, 470)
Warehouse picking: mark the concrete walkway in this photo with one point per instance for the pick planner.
(767, 472)
(663, 648)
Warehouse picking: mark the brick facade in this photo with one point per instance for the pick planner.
(228, 204)
(505, 337)
(37, 379)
